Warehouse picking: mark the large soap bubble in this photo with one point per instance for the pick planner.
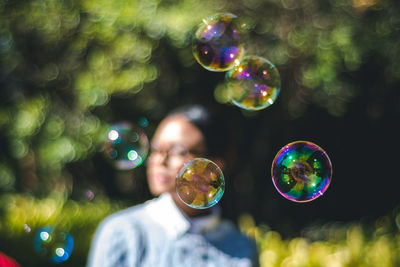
(253, 84)
(200, 184)
(301, 171)
(218, 42)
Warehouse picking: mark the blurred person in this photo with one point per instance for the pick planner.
(164, 231)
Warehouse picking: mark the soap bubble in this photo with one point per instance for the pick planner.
(253, 84)
(54, 244)
(126, 145)
(27, 228)
(89, 194)
(143, 122)
(218, 42)
(301, 171)
(200, 184)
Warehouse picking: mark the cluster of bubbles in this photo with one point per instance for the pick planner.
(200, 184)
(126, 145)
(252, 82)
(301, 171)
(54, 244)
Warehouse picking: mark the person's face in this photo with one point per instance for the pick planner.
(175, 142)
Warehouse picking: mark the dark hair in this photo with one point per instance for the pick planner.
(211, 124)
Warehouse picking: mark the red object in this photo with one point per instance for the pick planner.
(6, 261)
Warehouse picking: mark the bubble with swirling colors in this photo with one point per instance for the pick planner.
(126, 145)
(200, 184)
(219, 42)
(253, 84)
(54, 244)
(301, 171)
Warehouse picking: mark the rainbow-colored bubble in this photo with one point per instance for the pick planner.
(301, 171)
(54, 244)
(218, 42)
(126, 145)
(253, 84)
(200, 184)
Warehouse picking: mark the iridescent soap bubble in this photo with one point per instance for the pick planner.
(218, 42)
(89, 194)
(301, 171)
(253, 84)
(200, 184)
(54, 244)
(27, 228)
(126, 145)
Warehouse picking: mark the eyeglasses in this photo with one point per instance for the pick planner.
(176, 152)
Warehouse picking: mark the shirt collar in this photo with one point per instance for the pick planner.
(204, 224)
(164, 212)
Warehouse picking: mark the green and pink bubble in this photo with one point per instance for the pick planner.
(301, 171)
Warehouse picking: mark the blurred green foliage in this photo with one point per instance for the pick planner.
(62, 63)
(22, 216)
(376, 243)
(331, 244)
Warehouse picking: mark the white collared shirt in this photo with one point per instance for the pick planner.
(157, 233)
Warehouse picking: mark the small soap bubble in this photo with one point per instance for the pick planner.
(218, 42)
(27, 228)
(89, 194)
(126, 145)
(54, 244)
(200, 184)
(143, 122)
(301, 171)
(253, 84)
